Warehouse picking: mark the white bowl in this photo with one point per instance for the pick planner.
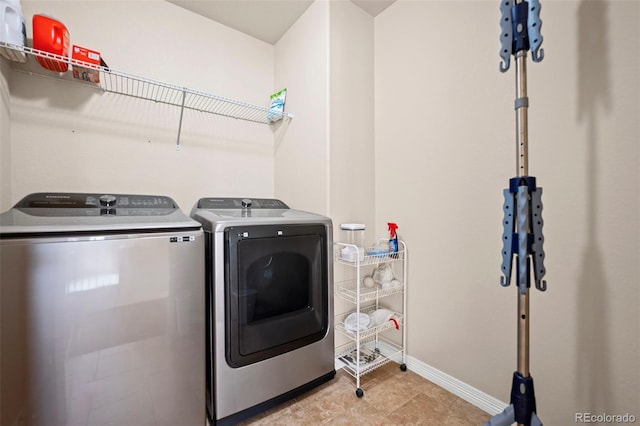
(357, 321)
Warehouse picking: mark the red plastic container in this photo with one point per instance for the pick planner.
(50, 35)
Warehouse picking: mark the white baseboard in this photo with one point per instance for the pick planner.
(457, 387)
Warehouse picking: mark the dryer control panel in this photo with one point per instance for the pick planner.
(214, 203)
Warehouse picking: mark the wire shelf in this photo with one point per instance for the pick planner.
(144, 88)
(349, 291)
(374, 354)
(367, 259)
(364, 334)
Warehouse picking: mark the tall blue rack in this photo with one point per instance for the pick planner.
(522, 225)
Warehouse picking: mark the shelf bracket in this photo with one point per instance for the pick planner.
(184, 95)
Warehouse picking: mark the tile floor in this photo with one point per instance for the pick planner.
(391, 397)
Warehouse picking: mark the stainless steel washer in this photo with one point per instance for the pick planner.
(269, 304)
(101, 312)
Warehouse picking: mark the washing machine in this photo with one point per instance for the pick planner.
(101, 312)
(269, 304)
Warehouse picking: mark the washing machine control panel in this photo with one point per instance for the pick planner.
(212, 203)
(81, 204)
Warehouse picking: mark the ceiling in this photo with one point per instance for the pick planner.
(266, 20)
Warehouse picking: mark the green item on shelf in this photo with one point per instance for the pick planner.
(276, 107)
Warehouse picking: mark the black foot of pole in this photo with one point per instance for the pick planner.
(523, 398)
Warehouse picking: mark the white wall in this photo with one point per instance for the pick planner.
(5, 128)
(352, 192)
(324, 156)
(68, 138)
(351, 100)
(445, 149)
(301, 151)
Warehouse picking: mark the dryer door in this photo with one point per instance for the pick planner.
(276, 290)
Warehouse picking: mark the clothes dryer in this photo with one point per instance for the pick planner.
(269, 304)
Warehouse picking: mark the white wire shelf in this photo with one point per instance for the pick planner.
(373, 354)
(125, 84)
(367, 349)
(364, 334)
(366, 259)
(349, 291)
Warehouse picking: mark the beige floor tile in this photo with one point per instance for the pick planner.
(391, 397)
(469, 413)
(420, 410)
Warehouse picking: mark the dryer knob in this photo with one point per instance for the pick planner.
(246, 203)
(107, 200)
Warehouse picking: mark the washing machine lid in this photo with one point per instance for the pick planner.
(64, 212)
(217, 213)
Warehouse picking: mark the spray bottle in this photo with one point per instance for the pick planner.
(393, 237)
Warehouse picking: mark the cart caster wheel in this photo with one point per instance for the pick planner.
(403, 367)
(359, 393)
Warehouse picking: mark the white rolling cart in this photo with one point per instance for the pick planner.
(374, 320)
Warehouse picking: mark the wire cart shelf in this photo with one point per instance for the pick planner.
(367, 349)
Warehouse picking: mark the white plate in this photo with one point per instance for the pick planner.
(357, 321)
